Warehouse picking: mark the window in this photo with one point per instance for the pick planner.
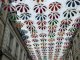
(10, 43)
(16, 50)
(21, 54)
(77, 58)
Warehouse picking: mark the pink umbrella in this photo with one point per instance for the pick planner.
(40, 8)
(52, 31)
(29, 22)
(8, 7)
(54, 6)
(54, 15)
(22, 6)
(42, 35)
(28, 45)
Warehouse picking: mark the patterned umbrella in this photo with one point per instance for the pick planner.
(25, 16)
(70, 13)
(76, 24)
(23, 31)
(51, 35)
(51, 40)
(69, 33)
(34, 36)
(61, 33)
(35, 40)
(52, 22)
(62, 29)
(41, 17)
(39, 1)
(30, 27)
(29, 22)
(43, 44)
(65, 23)
(68, 38)
(60, 38)
(50, 44)
(40, 8)
(51, 47)
(42, 27)
(36, 44)
(72, 29)
(43, 47)
(52, 31)
(42, 23)
(59, 42)
(22, 6)
(66, 43)
(42, 35)
(58, 46)
(54, 6)
(78, 19)
(25, 37)
(43, 40)
(72, 3)
(13, 16)
(8, 7)
(54, 15)
(52, 27)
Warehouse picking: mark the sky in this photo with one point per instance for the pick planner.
(31, 4)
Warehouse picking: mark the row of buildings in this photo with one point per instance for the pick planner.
(12, 46)
(73, 52)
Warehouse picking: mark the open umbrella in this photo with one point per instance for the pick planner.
(59, 42)
(54, 6)
(52, 30)
(25, 37)
(42, 23)
(72, 3)
(41, 17)
(43, 40)
(54, 15)
(43, 44)
(25, 16)
(29, 22)
(60, 38)
(40, 8)
(39, 1)
(61, 33)
(69, 33)
(70, 13)
(62, 29)
(8, 7)
(23, 32)
(36, 44)
(51, 39)
(35, 40)
(34, 36)
(51, 35)
(22, 6)
(42, 27)
(42, 35)
(13, 16)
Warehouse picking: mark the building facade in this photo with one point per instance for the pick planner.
(73, 52)
(12, 46)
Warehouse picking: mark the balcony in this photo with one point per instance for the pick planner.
(9, 49)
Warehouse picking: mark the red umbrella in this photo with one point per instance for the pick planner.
(54, 15)
(8, 7)
(69, 33)
(40, 8)
(42, 27)
(54, 6)
(62, 29)
(34, 36)
(29, 22)
(42, 23)
(22, 6)
(35, 40)
(60, 38)
(42, 35)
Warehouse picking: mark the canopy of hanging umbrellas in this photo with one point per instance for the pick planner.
(46, 26)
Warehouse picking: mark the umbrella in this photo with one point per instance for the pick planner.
(43, 47)
(29, 22)
(66, 43)
(62, 29)
(51, 35)
(22, 6)
(54, 15)
(39, 1)
(18, 24)
(52, 27)
(51, 40)
(65, 46)
(42, 35)
(65, 49)
(72, 3)
(36, 44)
(52, 31)
(43, 44)
(35, 40)
(8, 7)
(68, 38)
(65, 23)
(41, 17)
(54, 6)
(27, 41)
(50, 47)
(31, 27)
(42, 23)
(59, 42)
(69, 33)
(34, 36)
(43, 40)
(57, 49)
(36, 47)
(23, 32)
(72, 29)
(42, 27)
(52, 22)
(76, 24)
(25, 16)
(57, 46)
(60, 38)
(30, 49)
(61, 33)
(44, 50)
(28, 45)
(25, 37)
(13, 16)
(50, 44)
(44, 57)
(40, 8)
(78, 19)
(70, 13)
